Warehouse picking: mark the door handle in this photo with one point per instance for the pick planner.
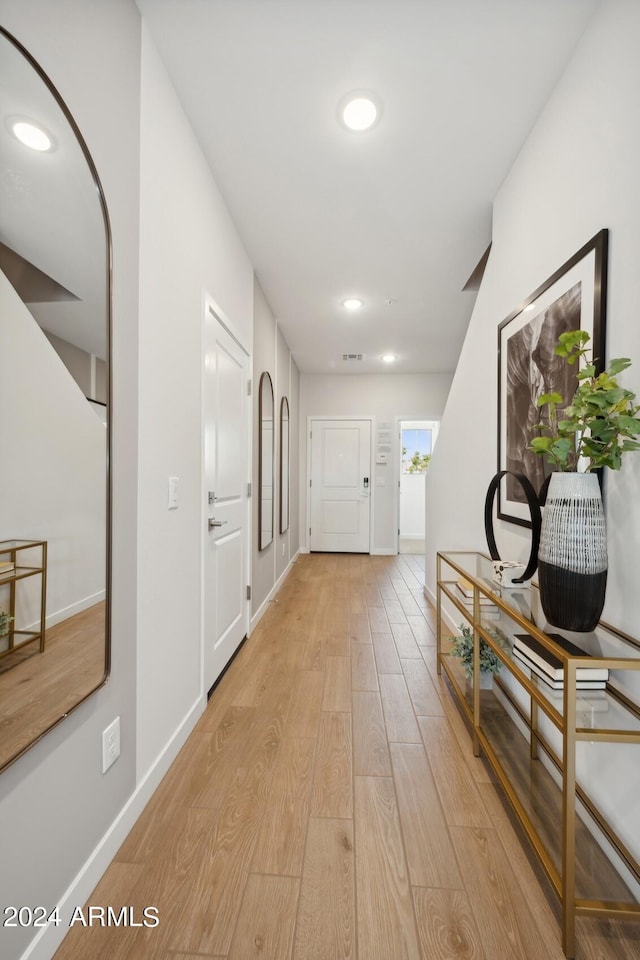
(216, 523)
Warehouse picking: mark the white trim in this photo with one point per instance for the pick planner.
(211, 307)
(397, 461)
(383, 552)
(372, 487)
(429, 595)
(48, 939)
(217, 312)
(65, 612)
(262, 609)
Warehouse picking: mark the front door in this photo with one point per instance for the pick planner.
(226, 469)
(340, 485)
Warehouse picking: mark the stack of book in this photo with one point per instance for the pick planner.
(465, 591)
(549, 668)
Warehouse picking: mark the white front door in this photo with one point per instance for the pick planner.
(340, 485)
(226, 470)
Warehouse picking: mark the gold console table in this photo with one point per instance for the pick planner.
(19, 555)
(540, 742)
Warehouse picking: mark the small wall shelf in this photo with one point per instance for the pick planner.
(537, 739)
(20, 555)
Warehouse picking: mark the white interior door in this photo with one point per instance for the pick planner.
(340, 485)
(226, 466)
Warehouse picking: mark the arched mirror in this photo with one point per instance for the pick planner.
(284, 465)
(265, 461)
(54, 409)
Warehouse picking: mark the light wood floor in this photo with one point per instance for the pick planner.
(37, 691)
(328, 805)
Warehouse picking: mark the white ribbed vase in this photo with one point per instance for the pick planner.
(572, 559)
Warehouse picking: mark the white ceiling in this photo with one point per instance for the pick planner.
(401, 212)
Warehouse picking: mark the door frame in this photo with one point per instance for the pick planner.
(372, 424)
(211, 308)
(397, 460)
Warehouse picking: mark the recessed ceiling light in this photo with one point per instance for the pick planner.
(529, 307)
(352, 303)
(31, 135)
(359, 111)
(388, 357)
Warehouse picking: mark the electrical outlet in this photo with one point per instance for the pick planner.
(283, 549)
(110, 744)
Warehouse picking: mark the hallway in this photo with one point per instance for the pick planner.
(328, 806)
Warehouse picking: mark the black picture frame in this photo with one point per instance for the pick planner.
(574, 297)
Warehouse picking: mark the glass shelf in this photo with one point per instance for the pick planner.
(518, 611)
(542, 742)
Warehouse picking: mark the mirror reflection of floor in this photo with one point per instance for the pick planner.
(18, 655)
(71, 666)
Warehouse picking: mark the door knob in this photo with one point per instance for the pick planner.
(216, 523)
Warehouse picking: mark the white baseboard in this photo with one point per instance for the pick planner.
(383, 552)
(429, 595)
(448, 619)
(262, 609)
(46, 942)
(53, 618)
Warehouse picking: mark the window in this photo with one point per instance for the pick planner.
(416, 449)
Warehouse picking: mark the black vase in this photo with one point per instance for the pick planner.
(572, 561)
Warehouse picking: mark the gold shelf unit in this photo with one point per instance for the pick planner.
(21, 554)
(532, 735)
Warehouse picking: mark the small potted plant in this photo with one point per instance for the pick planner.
(5, 621)
(462, 647)
(595, 429)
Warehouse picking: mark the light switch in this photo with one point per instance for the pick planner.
(173, 493)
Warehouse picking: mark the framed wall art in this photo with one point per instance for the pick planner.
(574, 298)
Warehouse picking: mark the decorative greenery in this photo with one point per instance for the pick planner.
(599, 423)
(462, 646)
(5, 620)
(419, 463)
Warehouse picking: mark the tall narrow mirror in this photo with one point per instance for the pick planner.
(54, 409)
(284, 465)
(265, 461)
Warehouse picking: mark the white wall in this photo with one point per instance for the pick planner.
(383, 396)
(294, 477)
(577, 173)
(263, 562)
(55, 803)
(53, 477)
(283, 389)
(412, 505)
(188, 247)
(272, 354)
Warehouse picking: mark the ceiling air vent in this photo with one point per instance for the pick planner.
(353, 356)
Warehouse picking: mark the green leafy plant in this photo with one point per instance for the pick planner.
(599, 424)
(419, 463)
(462, 646)
(5, 620)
